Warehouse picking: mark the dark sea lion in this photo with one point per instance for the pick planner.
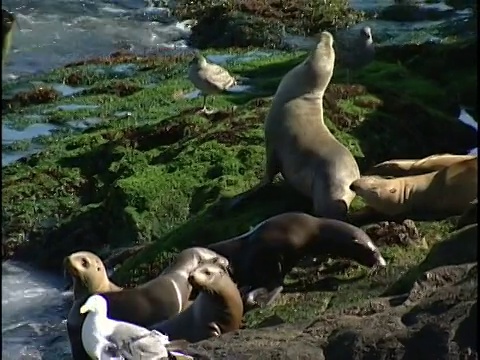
(8, 20)
(218, 309)
(469, 216)
(152, 302)
(437, 194)
(409, 167)
(298, 143)
(262, 257)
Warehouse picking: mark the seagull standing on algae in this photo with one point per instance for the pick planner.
(104, 338)
(357, 52)
(209, 78)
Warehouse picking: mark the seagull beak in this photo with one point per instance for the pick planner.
(84, 309)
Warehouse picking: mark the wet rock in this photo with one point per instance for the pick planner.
(251, 23)
(392, 233)
(416, 12)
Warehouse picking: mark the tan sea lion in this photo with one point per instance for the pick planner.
(442, 193)
(218, 309)
(149, 303)
(298, 143)
(261, 257)
(88, 274)
(409, 167)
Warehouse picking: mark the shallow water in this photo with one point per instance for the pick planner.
(53, 33)
(33, 311)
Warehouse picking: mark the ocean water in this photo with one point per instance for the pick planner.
(53, 33)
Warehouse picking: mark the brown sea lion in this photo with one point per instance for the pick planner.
(469, 216)
(149, 303)
(409, 167)
(298, 143)
(88, 274)
(262, 257)
(437, 194)
(218, 309)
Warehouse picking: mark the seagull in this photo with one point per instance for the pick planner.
(104, 338)
(209, 78)
(358, 52)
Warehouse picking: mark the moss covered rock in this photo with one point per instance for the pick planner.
(222, 24)
(158, 176)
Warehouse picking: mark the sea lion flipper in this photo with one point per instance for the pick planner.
(261, 297)
(214, 329)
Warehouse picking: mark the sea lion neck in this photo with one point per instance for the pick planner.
(228, 302)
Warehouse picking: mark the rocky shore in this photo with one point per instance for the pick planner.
(151, 177)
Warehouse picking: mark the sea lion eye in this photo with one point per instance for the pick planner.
(393, 190)
(85, 263)
(208, 273)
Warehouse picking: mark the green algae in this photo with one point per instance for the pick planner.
(160, 176)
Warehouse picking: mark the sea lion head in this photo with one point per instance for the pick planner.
(323, 60)
(86, 270)
(206, 275)
(376, 191)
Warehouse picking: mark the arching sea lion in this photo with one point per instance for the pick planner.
(149, 303)
(409, 167)
(262, 257)
(218, 309)
(299, 144)
(88, 274)
(442, 193)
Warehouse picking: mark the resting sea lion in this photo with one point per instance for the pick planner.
(149, 303)
(442, 193)
(218, 309)
(299, 144)
(409, 167)
(262, 257)
(88, 274)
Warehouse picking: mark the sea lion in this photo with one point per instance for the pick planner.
(149, 303)
(261, 257)
(298, 143)
(88, 274)
(8, 20)
(469, 216)
(409, 167)
(208, 78)
(437, 194)
(218, 309)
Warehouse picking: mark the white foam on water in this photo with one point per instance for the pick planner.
(34, 309)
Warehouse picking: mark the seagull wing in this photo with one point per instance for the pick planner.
(149, 346)
(217, 76)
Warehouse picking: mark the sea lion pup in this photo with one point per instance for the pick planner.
(149, 303)
(469, 216)
(299, 144)
(8, 20)
(218, 309)
(88, 274)
(437, 194)
(261, 257)
(409, 167)
(208, 78)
